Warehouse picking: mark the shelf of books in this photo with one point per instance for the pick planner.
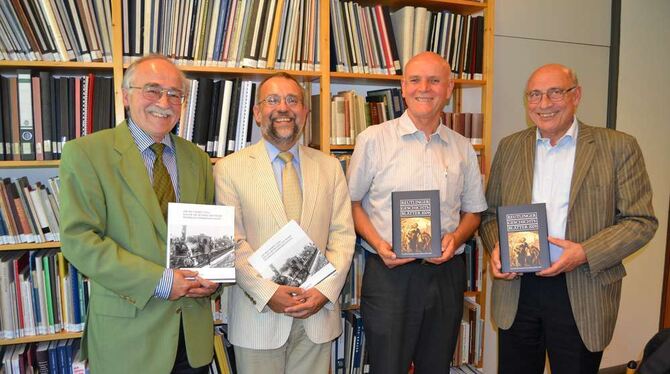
(62, 63)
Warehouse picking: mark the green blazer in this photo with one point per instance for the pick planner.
(113, 231)
(609, 213)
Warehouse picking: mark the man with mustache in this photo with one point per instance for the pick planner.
(115, 186)
(279, 329)
(412, 309)
(598, 197)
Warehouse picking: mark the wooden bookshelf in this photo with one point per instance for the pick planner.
(28, 164)
(41, 338)
(29, 246)
(56, 65)
(323, 77)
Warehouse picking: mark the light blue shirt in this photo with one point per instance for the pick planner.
(143, 141)
(396, 156)
(552, 177)
(278, 164)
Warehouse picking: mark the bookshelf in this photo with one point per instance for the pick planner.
(323, 77)
(42, 338)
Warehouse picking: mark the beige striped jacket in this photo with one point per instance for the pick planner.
(610, 214)
(245, 180)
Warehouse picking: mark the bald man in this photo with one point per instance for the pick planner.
(598, 197)
(412, 309)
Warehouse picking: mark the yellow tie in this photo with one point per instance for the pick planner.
(291, 193)
(162, 182)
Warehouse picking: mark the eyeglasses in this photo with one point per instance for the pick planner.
(274, 100)
(154, 93)
(554, 94)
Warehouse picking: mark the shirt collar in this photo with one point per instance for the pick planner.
(144, 140)
(407, 127)
(273, 151)
(567, 138)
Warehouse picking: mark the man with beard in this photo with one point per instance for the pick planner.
(115, 186)
(275, 328)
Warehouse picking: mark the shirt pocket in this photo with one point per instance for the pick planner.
(451, 186)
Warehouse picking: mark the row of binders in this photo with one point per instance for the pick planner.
(218, 116)
(228, 33)
(56, 356)
(29, 213)
(470, 125)
(362, 39)
(351, 113)
(456, 37)
(56, 30)
(283, 34)
(40, 293)
(40, 111)
(372, 39)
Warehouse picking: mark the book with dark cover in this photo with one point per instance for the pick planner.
(392, 40)
(416, 224)
(522, 231)
(5, 129)
(232, 121)
(214, 118)
(54, 89)
(42, 358)
(203, 108)
(250, 118)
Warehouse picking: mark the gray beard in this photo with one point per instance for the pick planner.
(270, 133)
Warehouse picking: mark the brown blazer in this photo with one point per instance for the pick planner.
(610, 214)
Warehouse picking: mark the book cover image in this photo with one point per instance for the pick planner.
(416, 224)
(290, 258)
(522, 230)
(201, 238)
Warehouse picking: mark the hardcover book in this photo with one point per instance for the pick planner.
(416, 224)
(290, 258)
(200, 238)
(522, 231)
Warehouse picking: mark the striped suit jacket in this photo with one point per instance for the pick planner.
(609, 213)
(245, 180)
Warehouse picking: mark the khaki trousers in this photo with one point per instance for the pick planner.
(299, 355)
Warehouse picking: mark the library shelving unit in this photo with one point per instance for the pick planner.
(324, 78)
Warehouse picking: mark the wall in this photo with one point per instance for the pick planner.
(576, 33)
(643, 112)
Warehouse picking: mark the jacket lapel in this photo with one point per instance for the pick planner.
(527, 165)
(309, 171)
(134, 174)
(186, 167)
(583, 159)
(264, 178)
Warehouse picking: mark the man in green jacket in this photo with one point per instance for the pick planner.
(114, 192)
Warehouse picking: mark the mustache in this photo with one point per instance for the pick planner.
(161, 111)
(273, 118)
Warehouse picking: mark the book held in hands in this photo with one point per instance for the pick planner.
(201, 238)
(522, 232)
(416, 224)
(290, 258)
